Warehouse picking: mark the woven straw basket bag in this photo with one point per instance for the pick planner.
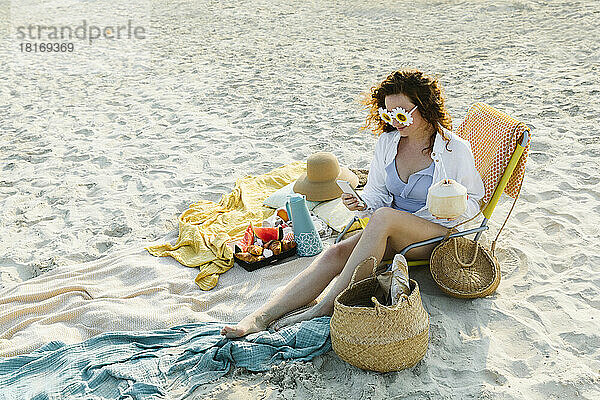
(463, 268)
(372, 336)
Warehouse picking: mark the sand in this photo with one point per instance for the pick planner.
(102, 148)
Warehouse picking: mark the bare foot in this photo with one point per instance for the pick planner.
(315, 311)
(250, 324)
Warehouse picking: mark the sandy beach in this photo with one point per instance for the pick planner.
(103, 147)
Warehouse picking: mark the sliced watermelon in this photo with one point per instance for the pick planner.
(248, 239)
(268, 234)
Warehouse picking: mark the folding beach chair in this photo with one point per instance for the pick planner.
(500, 145)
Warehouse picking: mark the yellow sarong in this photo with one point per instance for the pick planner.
(206, 227)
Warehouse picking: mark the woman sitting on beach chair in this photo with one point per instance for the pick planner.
(407, 110)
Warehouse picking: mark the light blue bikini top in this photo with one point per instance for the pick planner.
(410, 196)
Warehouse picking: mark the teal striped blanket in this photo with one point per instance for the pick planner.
(153, 364)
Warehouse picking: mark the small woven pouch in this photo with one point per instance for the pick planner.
(478, 277)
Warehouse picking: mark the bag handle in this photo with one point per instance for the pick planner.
(379, 308)
(457, 258)
(377, 305)
(361, 266)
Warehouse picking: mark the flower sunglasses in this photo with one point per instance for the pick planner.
(399, 114)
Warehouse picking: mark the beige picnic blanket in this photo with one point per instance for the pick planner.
(128, 290)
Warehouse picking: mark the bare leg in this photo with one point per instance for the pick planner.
(388, 232)
(303, 289)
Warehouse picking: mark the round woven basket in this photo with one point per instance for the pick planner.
(375, 337)
(463, 268)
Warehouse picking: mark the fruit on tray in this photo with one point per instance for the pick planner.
(261, 243)
(282, 213)
(248, 239)
(264, 234)
(268, 234)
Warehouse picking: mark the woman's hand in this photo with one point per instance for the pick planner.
(352, 203)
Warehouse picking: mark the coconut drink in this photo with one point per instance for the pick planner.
(447, 199)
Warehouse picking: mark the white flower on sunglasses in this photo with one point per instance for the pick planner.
(399, 114)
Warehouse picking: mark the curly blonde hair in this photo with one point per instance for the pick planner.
(423, 90)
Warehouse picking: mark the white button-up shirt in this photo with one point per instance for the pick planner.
(458, 164)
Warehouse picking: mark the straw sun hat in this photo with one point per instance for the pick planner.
(318, 182)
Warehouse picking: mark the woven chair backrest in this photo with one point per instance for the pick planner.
(494, 136)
